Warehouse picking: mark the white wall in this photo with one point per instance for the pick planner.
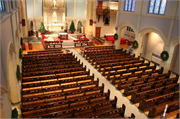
(144, 45)
(113, 5)
(69, 8)
(175, 30)
(80, 8)
(39, 8)
(123, 31)
(155, 45)
(107, 29)
(30, 8)
(175, 60)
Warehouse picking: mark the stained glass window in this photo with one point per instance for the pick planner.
(12, 5)
(16, 4)
(129, 5)
(157, 6)
(2, 6)
(163, 6)
(133, 5)
(126, 5)
(156, 9)
(151, 7)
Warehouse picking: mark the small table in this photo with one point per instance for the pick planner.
(63, 36)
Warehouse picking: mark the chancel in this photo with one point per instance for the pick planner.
(89, 58)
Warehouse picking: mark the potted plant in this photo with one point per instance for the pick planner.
(72, 28)
(20, 53)
(14, 113)
(42, 29)
(18, 73)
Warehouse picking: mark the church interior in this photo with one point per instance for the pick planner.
(89, 58)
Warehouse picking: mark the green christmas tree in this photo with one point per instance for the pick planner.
(72, 27)
(42, 29)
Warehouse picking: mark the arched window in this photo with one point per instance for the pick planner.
(2, 6)
(157, 6)
(12, 5)
(129, 5)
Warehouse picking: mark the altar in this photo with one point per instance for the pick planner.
(63, 36)
(55, 27)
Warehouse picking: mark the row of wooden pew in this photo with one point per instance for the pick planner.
(143, 83)
(58, 86)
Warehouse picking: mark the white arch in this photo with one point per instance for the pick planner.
(147, 30)
(11, 69)
(155, 30)
(124, 24)
(173, 43)
(120, 27)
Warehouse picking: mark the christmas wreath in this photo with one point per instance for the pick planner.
(164, 55)
(106, 11)
(135, 44)
(116, 36)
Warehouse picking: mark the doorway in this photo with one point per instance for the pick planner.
(98, 31)
(79, 25)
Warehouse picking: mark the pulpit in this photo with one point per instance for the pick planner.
(63, 36)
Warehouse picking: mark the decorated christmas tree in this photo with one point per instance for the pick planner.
(72, 27)
(42, 29)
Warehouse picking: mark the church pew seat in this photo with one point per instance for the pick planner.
(158, 110)
(157, 100)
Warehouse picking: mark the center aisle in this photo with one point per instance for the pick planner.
(130, 108)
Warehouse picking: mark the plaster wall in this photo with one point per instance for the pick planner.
(169, 7)
(110, 29)
(145, 6)
(6, 38)
(177, 13)
(30, 8)
(39, 8)
(131, 18)
(70, 8)
(175, 30)
(6, 105)
(3, 82)
(80, 8)
(160, 23)
(154, 45)
(175, 60)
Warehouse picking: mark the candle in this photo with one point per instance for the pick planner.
(165, 110)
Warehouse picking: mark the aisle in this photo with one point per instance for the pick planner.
(130, 108)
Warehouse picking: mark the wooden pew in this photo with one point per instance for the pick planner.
(59, 94)
(157, 100)
(105, 114)
(139, 75)
(124, 67)
(75, 109)
(138, 88)
(132, 71)
(123, 83)
(158, 110)
(137, 97)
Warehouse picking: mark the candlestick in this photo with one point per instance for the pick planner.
(165, 110)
